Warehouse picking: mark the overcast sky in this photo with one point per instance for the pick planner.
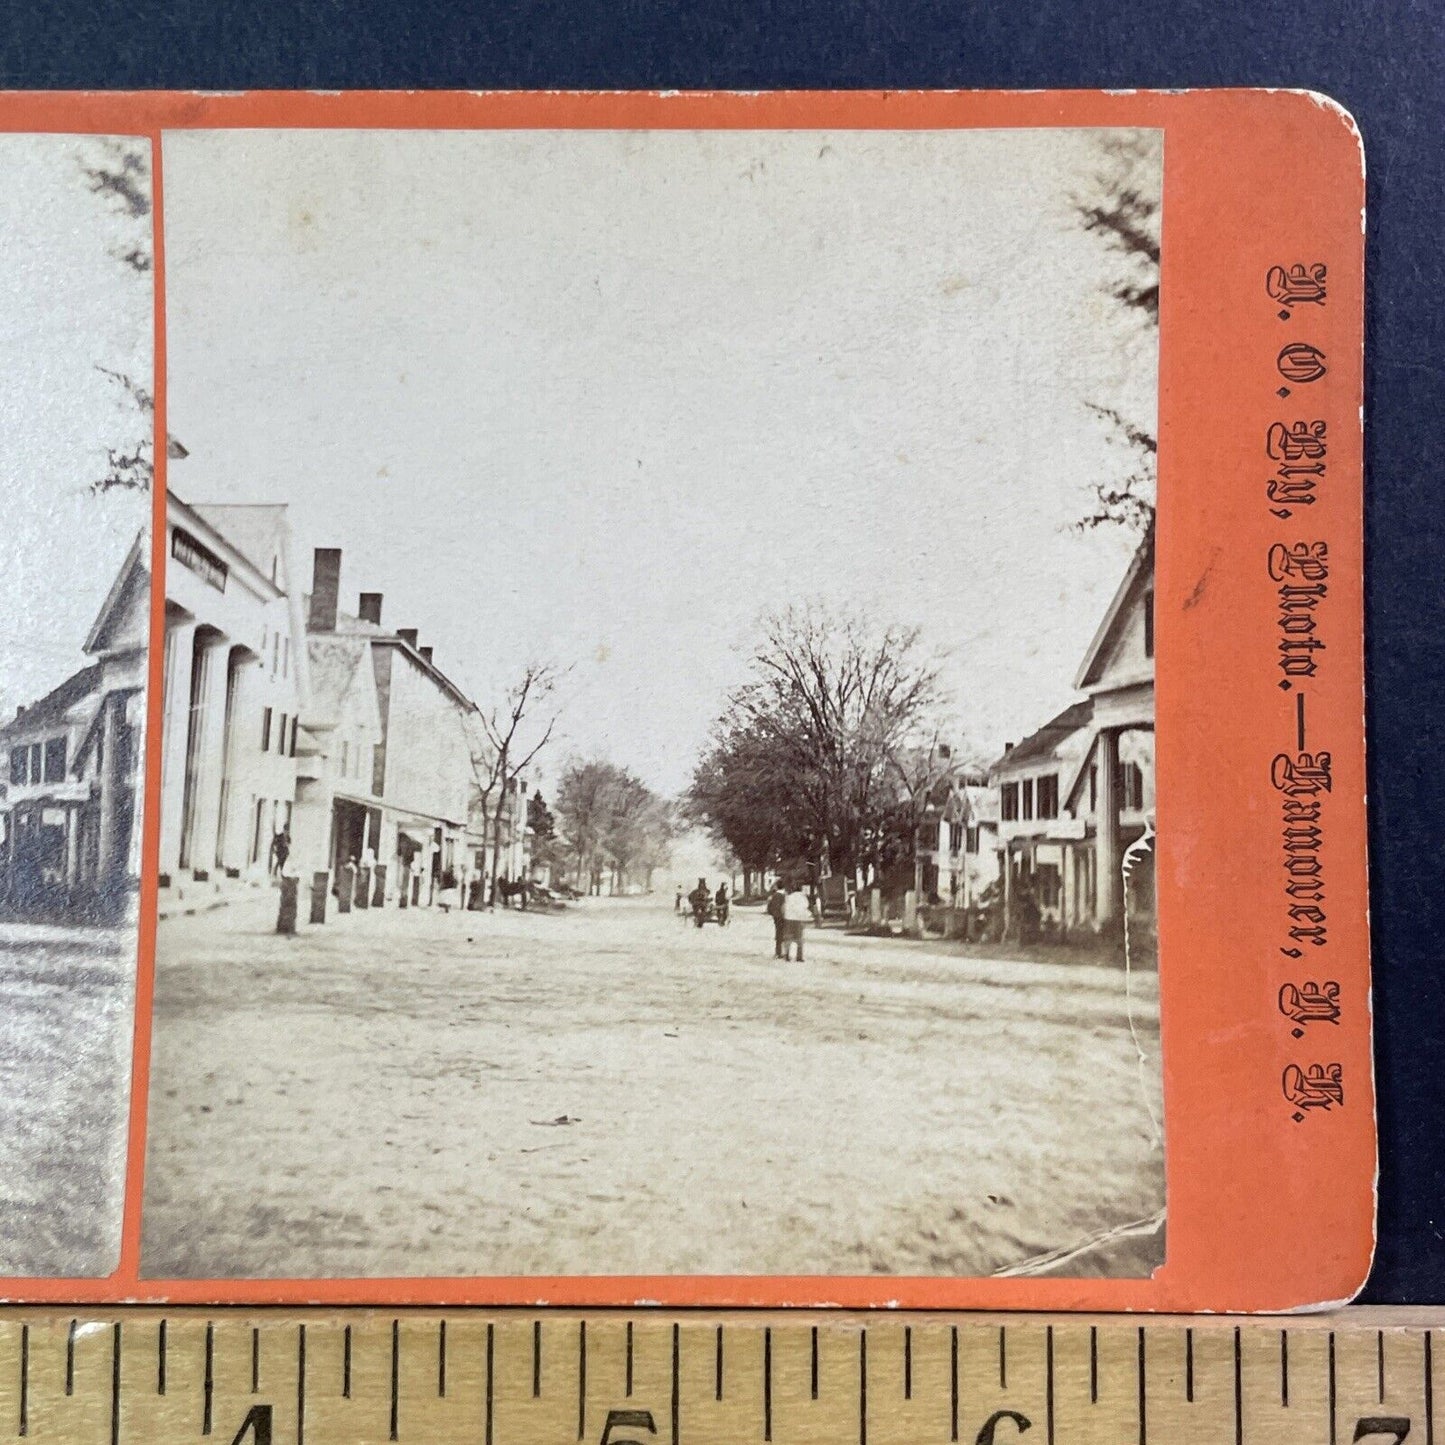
(67, 306)
(604, 397)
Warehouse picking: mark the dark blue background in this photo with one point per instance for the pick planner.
(1381, 60)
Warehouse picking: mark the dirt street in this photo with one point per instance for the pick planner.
(606, 1091)
(66, 1033)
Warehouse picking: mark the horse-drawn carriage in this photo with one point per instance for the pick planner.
(701, 911)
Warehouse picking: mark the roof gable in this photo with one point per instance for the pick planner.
(1041, 746)
(52, 710)
(1137, 580)
(123, 621)
(257, 532)
(341, 684)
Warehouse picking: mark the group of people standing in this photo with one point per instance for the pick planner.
(791, 910)
(789, 906)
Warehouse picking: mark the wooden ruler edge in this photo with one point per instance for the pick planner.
(1346, 1319)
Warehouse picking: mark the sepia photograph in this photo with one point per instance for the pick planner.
(658, 718)
(76, 314)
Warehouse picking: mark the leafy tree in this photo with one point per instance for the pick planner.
(539, 817)
(741, 793)
(803, 759)
(614, 825)
(582, 806)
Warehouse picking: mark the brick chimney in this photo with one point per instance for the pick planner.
(368, 607)
(325, 589)
(407, 635)
(426, 653)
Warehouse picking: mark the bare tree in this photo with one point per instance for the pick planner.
(504, 741)
(1121, 207)
(118, 172)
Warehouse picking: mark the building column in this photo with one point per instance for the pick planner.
(1008, 888)
(175, 730)
(1108, 873)
(207, 752)
(72, 847)
(108, 846)
(240, 767)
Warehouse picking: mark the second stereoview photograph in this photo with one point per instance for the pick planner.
(76, 326)
(658, 713)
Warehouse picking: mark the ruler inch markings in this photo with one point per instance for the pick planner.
(301, 1384)
(863, 1386)
(1239, 1390)
(1049, 1382)
(767, 1382)
(913, 1379)
(209, 1384)
(1429, 1393)
(581, 1379)
(1143, 1390)
(953, 1381)
(24, 1408)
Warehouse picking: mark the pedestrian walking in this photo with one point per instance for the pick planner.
(280, 851)
(720, 899)
(775, 912)
(796, 913)
(677, 902)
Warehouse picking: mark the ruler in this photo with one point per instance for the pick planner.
(506, 1377)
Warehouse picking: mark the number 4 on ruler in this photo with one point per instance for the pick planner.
(257, 1425)
(1395, 1426)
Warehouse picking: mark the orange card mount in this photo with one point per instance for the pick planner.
(696, 699)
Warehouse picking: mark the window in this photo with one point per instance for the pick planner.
(285, 657)
(955, 837)
(1028, 798)
(275, 652)
(970, 842)
(266, 731)
(55, 760)
(19, 761)
(1048, 885)
(35, 765)
(292, 752)
(1093, 788)
(1133, 790)
(345, 758)
(1149, 624)
(1049, 796)
(1009, 802)
(281, 736)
